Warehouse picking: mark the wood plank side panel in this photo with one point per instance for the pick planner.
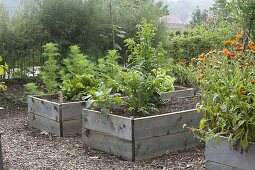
(222, 153)
(109, 124)
(72, 111)
(166, 124)
(1, 154)
(44, 108)
(179, 93)
(216, 166)
(72, 127)
(157, 146)
(43, 123)
(109, 144)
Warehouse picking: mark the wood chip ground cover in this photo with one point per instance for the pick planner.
(27, 148)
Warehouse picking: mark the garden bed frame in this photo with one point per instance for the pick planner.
(223, 156)
(64, 119)
(139, 138)
(1, 154)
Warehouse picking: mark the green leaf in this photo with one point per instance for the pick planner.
(89, 103)
(105, 111)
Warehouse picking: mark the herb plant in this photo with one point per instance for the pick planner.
(77, 75)
(49, 73)
(142, 51)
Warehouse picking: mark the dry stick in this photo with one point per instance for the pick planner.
(60, 97)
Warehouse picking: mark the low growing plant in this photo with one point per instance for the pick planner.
(33, 89)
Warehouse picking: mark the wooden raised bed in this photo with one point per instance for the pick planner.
(179, 92)
(1, 154)
(65, 119)
(222, 156)
(62, 119)
(138, 138)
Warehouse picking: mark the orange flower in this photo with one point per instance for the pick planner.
(240, 45)
(231, 55)
(238, 36)
(181, 62)
(201, 58)
(252, 46)
(239, 49)
(225, 51)
(234, 42)
(253, 82)
(243, 92)
(227, 42)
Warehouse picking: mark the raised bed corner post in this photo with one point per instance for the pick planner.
(133, 137)
(1, 154)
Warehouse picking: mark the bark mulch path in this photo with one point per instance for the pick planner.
(28, 149)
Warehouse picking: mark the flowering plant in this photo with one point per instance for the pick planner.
(227, 83)
(3, 69)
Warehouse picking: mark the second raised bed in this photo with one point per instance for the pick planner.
(139, 138)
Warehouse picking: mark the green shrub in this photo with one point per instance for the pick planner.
(49, 73)
(3, 70)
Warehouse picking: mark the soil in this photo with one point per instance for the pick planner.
(28, 148)
(169, 106)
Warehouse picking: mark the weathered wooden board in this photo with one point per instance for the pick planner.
(1, 154)
(114, 125)
(178, 93)
(44, 108)
(109, 144)
(180, 88)
(152, 147)
(165, 124)
(72, 110)
(44, 123)
(72, 127)
(216, 166)
(222, 153)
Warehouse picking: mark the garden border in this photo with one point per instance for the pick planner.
(62, 119)
(223, 156)
(65, 119)
(139, 138)
(1, 152)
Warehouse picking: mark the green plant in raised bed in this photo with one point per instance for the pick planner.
(105, 99)
(49, 73)
(183, 74)
(144, 91)
(227, 83)
(142, 52)
(77, 75)
(109, 69)
(32, 89)
(3, 69)
(144, 79)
